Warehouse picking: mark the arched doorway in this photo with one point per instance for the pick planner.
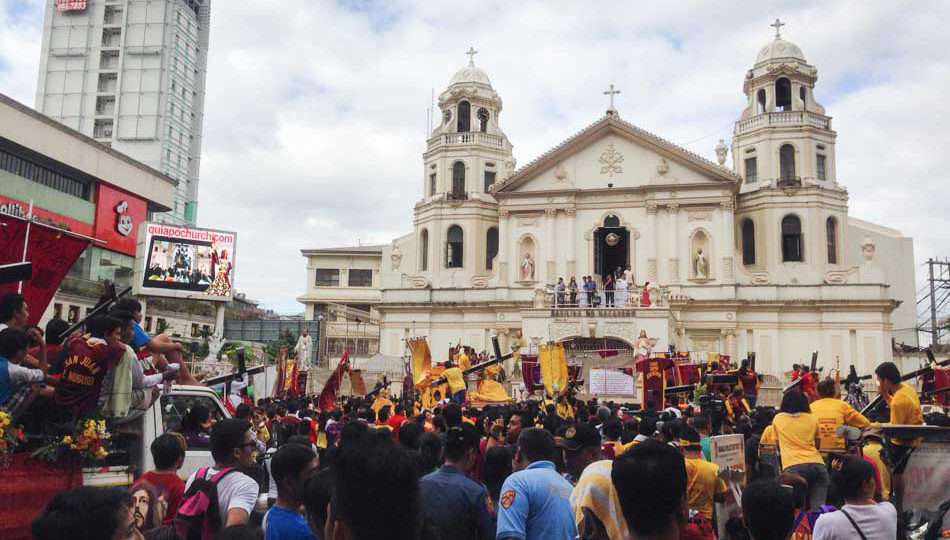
(611, 247)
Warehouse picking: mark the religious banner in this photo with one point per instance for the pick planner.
(421, 362)
(290, 378)
(356, 383)
(327, 399)
(52, 251)
(610, 382)
(928, 469)
(728, 451)
(553, 368)
(653, 381)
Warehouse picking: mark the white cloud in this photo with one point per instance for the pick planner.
(315, 110)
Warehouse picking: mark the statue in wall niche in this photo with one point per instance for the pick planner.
(699, 262)
(527, 268)
(396, 256)
(662, 167)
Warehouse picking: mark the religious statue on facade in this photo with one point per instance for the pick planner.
(643, 346)
(527, 268)
(702, 271)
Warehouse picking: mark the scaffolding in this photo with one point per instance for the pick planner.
(932, 301)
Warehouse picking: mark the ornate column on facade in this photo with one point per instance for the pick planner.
(674, 262)
(652, 244)
(549, 244)
(729, 241)
(571, 213)
(729, 337)
(502, 259)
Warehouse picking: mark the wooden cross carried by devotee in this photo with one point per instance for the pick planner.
(778, 26)
(611, 93)
(497, 359)
(471, 55)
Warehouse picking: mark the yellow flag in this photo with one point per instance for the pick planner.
(421, 359)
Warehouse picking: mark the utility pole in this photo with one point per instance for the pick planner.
(933, 308)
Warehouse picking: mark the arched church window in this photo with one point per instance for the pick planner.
(748, 242)
(831, 231)
(760, 101)
(453, 247)
(611, 221)
(791, 239)
(802, 92)
(483, 116)
(463, 123)
(783, 94)
(458, 180)
(424, 250)
(786, 160)
(491, 247)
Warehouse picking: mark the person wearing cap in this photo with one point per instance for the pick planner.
(581, 446)
(703, 485)
(459, 507)
(873, 445)
(534, 502)
(861, 516)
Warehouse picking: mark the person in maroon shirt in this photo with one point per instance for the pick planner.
(86, 364)
(168, 453)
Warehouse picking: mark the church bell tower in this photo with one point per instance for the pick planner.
(791, 211)
(456, 220)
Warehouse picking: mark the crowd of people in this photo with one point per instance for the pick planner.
(382, 468)
(376, 467)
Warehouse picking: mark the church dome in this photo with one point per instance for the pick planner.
(779, 50)
(470, 74)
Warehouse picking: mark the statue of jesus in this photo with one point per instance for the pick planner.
(527, 268)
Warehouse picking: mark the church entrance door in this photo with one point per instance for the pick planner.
(611, 250)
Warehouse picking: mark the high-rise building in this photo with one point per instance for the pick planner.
(131, 74)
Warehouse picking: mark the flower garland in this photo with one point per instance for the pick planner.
(90, 442)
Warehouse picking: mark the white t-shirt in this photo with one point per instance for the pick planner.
(271, 485)
(236, 490)
(876, 521)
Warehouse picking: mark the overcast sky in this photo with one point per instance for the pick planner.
(316, 111)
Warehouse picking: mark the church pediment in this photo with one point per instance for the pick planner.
(615, 152)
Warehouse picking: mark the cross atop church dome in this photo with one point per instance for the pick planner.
(778, 26)
(471, 56)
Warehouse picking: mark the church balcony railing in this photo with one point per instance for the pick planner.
(784, 118)
(456, 196)
(606, 303)
(475, 137)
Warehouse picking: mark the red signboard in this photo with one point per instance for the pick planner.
(118, 216)
(70, 5)
(21, 209)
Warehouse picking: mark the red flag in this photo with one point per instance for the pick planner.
(327, 399)
(52, 251)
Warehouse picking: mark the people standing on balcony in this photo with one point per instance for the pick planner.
(592, 291)
(609, 291)
(559, 292)
(585, 296)
(623, 293)
(572, 289)
(645, 295)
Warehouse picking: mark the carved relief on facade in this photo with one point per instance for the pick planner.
(699, 215)
(564, 330)
(610, 161)
(621, 330)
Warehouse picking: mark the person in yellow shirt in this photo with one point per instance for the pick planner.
(564, 408)
(905, 410)
(456, 382)
(703, 485)
(797, 432)
(462, 359)
(831, 412)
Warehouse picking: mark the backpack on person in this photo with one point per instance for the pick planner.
(198, 515)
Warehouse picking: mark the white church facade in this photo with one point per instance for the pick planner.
(760, 256)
